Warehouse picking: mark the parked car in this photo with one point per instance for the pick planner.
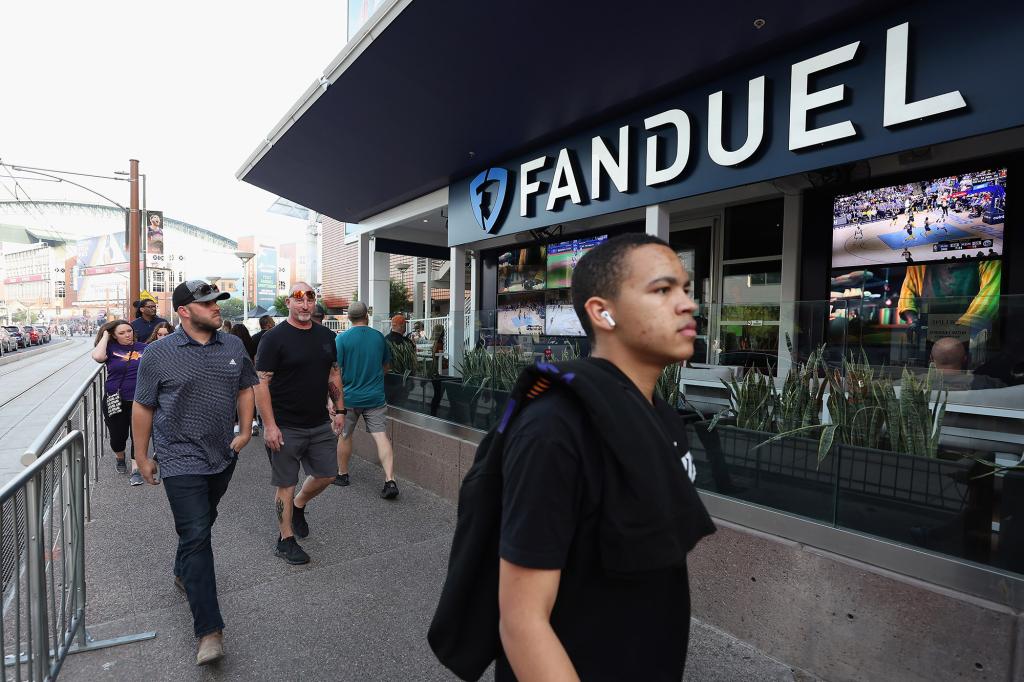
(19, 336)
(44, 333)
(32, 335)
(7, 341)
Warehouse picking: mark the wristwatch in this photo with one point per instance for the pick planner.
(343, 410)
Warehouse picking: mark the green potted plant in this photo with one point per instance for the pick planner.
(398, 382)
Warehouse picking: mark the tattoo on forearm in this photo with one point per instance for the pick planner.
(265, 376)
(280, 510)
(334, 392)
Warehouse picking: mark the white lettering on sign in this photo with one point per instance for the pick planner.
(617, 168)
(755, 126)
(674, 125)
(896, 107)
(801, 101)
(678, 119)
(564, 185)
(527, 186)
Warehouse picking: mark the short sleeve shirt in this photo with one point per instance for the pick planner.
(613, 627)
(362, 353)
(193, 389)
(123, 368)
(143, 329)
(301, 361)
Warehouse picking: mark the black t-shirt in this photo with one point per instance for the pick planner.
(397, 339)
(614, 627)
(301, 361)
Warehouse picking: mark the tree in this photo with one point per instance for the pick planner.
(279, 304)
(231, 308)
(399, 296)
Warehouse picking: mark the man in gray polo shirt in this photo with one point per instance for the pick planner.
(186, 397)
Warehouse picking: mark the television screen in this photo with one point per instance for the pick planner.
(523, 314)
(521, 270)
(891, 309)
(933, 220)
(560, 317)
(563, 257)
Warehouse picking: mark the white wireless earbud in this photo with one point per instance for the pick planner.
(608, 317)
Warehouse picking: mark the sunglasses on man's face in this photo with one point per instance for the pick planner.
(308, 295)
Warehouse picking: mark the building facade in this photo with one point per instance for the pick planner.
(85, 273)
(840, 193)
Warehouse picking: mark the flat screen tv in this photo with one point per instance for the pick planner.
(559, 316)
(942, 219)
(521, 269)
(563, 257)
(521, 314)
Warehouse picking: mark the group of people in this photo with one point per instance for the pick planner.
(584, 561)
(183, 394)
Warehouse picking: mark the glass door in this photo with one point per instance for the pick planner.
(693, 241)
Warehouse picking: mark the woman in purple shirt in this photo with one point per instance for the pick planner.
(118, 349)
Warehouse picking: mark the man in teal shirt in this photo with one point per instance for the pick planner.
(363, 357)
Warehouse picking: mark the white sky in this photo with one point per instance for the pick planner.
(186, 87)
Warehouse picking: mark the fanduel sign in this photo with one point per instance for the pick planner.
(852, 98)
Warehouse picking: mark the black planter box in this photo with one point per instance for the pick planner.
(784, 474)
(945, 505)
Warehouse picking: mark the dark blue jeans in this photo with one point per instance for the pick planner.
(194, 505)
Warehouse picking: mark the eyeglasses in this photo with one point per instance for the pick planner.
(308, 295)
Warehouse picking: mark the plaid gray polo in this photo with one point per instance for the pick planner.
(192, 389)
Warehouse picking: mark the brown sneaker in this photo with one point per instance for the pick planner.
(211, 648)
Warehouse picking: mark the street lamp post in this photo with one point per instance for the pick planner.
(245, 257)
(402, 267)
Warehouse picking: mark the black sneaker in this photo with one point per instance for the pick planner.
(390, 491)
(299, 525)
(290, 551)
(341, 479)
(121, 466)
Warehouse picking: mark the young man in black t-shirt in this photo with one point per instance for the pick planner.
(298, 371)
(564, 615)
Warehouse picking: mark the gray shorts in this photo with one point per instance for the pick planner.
(315, 448)
(374, 418)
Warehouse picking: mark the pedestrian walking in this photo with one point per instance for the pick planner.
(189, 387)
(117, 348)
(397, 334)
(319, 313)
(160, 331)
(598, 506)
(241, 332)
(266, 323)
(363, 357)
(298, 377)
(147, 321)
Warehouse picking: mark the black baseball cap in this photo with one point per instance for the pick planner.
(196, 291)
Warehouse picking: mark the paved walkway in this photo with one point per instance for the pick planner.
(359, 611)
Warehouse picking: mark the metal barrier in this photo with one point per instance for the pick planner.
(43, 514)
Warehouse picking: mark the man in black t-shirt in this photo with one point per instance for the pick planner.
(563, 613)
(298, 371)
(397, 334)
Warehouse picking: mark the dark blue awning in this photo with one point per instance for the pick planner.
(449, 87)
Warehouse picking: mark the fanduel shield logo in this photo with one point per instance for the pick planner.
(487, 193)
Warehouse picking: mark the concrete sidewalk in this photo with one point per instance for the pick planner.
(359, 611)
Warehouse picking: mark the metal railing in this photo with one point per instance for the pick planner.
(43, 515)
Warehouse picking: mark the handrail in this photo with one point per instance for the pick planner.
(57, 422)
(44, 507)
